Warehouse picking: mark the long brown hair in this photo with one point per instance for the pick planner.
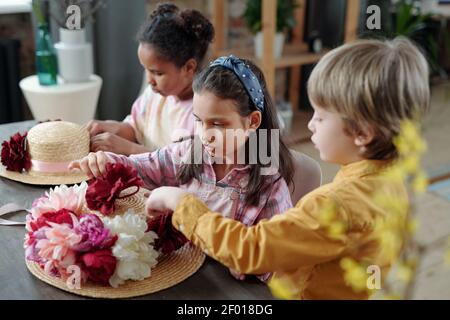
(224, 84)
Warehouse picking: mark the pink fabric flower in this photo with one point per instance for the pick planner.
(70, 198)
(93, 234)
(58, 247)
(58, 217)
(15, 156)
(31, 252)
(103, 191)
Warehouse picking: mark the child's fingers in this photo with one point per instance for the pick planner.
(94, 127)
(102, 160)
(74, 165)
(93, 165)
(84, 166)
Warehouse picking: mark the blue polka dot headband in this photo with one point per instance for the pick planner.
(245, 75)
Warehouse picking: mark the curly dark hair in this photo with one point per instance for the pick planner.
(177, 35)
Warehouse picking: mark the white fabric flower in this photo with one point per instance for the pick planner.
(133, 249)
(70, 198)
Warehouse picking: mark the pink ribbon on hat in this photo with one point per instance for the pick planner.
(42, 166)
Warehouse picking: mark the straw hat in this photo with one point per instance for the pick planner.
(52, 146)
(171, 269)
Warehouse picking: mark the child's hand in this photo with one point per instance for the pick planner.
(237, 275)
(111, 142)
(94, 164)
(163, 199)
(95, 127)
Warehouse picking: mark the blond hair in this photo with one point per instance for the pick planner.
(373, 83)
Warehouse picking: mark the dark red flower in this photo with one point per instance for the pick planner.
(102, 192)
(59, 217)
(15, 156)
(98, 265)
(169, 238)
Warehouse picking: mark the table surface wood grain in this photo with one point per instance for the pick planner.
(211, 281)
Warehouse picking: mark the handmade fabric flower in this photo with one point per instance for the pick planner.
(103, 191)
(98, 265)
(31, 252)
(58, 248)
(15, 156)
(58, 217)
(133, 249)
(169, 238)
(70, 198)
(94, 234)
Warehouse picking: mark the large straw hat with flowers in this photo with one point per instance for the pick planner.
(172, 267)
(41, 156)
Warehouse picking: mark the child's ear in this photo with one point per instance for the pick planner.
(191, 66)
(255, 120)
(364, 136)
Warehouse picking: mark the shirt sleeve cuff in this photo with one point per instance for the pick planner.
(187, 213)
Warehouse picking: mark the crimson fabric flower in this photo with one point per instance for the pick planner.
(169, 238)
(98, 265)
(103, 191)
(15, 156)
(59, 217)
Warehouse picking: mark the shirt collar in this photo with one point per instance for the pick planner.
(361, 168)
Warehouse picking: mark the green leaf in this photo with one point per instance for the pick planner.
(285, 15)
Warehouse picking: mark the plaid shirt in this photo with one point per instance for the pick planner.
(227, 196)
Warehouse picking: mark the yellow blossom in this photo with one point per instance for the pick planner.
(420, 182)
(396, 173)
(412, 226)
(409, 140)
(411, 164)
(405, 272)
(280, 289)
(355, 274)
(336, 229)
(447, 258)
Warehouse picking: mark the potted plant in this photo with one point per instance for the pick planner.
(409, 18)
(285, 21)
(75, 55)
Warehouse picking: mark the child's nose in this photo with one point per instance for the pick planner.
(151, 81)
(208, 135)
(311, 125)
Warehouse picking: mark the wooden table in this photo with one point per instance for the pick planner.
(211, 281)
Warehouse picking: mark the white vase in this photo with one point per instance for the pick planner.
(277, 47)
(75, 58)
(74, 102)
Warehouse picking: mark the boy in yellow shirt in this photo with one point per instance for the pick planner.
(360, 92)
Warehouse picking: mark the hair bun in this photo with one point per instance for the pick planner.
(163, 9)
(197, 25)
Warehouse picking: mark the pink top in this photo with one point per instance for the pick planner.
(158, 121)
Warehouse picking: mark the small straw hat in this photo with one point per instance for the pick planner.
(52, 146)
(171, 269)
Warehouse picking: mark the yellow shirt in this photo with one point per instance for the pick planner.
(295, 245)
